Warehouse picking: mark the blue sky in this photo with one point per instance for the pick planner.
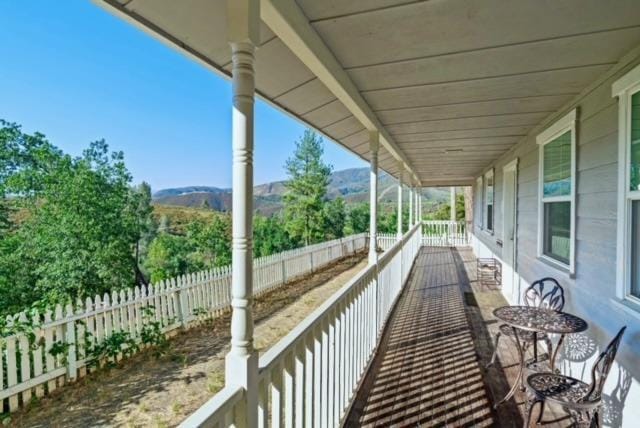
(77, 74)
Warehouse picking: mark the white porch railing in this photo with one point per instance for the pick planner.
(28, 365)
(311, 375)
(386, 240)
(443, 233)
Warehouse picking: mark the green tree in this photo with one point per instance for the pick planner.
(388, 221)
(357, 219)
(210, 242)
(306, 190)
(444, 210)
(146, 227)
(335, 213)
(82, 222)
(76, 221)
(270, 236)
(168, 257)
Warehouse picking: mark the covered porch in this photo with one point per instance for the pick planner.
(430, 367)
(435, 93)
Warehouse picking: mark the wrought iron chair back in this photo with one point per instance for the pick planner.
(601, 368)
(545, 293)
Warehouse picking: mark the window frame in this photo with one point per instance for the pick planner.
(624, 88)
(485, 206)
(480, 202)
(561, 126)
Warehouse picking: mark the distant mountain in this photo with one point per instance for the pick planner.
(350, 184)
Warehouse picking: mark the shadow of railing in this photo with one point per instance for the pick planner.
(495, 378)
(428, 371)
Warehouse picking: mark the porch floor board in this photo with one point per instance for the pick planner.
(430, 368)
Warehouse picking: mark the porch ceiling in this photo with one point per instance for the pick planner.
(472, 77)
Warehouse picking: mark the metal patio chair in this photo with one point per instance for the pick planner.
(543, 293)
(583, 401)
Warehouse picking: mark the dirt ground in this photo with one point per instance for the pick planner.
(160, 392)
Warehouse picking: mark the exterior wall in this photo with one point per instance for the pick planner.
(591, 292)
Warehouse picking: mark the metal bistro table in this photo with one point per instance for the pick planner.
(537, 320)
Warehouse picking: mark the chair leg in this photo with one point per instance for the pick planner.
(495, 350)
(527, 411)
(542, 406)
(597, 415)
(549, 344)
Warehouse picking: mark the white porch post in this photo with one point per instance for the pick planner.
(400, 170)
(419, 196)
(420, 205)
(411, 197)
(374, 144)
(453, 204)
(242, 360)
(452, 211)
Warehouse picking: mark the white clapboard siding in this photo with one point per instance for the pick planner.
(27, 366)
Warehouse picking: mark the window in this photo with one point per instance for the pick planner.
(627, 89)
(488, 201)
(557, 192)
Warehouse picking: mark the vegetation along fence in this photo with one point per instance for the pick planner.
(46, 350)
(309, 377)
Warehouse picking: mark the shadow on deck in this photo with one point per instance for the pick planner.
(430, 368)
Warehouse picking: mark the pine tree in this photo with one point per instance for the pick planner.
(306, 190)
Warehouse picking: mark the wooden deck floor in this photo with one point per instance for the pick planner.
(429, 370)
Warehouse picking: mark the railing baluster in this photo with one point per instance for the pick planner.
(334, 372)
(327, 367)
(309, 379)
(289, 391)
(300, 382)
(318, 353)
(277, 392)
(263, 401)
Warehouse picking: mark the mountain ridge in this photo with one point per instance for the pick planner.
(351, 184)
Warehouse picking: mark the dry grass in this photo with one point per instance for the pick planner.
(147, 391)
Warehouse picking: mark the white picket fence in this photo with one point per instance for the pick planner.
(310, 376)
(442, 233)
(28, 365)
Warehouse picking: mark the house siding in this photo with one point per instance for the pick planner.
(591, 292)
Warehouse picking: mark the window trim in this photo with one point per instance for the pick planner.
(624, 88)
(561, 126)
(485, 206)
(480, 193)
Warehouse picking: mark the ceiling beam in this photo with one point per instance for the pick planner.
(288, 22)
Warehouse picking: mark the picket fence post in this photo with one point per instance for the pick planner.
(181, 306)
(72, 363)
(284, 268)
(311, 260)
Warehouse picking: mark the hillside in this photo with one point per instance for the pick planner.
(350, 184)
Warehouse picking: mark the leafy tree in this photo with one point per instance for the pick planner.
(146, 226)
(334, 218)
(270, 236)
(388, 221)
(210, 242)
(306, 189)
(444, 211)
(82, 226)
(358, 219)
(76, 221)
(168, 257)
